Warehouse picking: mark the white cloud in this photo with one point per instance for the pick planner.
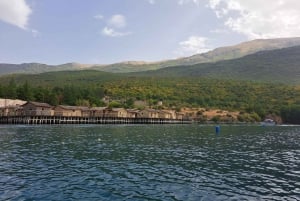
(114, 25)
(151, 1)
(193, 45)
(220, 31)
(213, 3)
(260, 19)
(117, 21)
(15, 12)
(99, 17)
(113, 33)
(182, 2)
(35, 33)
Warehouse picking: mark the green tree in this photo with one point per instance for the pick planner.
(11, 91)
(25, 92)
(129, 103)
(83, 102)
(291, 114)
(70, 95)
(1, 91)
(114, 104)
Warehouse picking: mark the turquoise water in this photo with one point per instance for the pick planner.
(149, 162)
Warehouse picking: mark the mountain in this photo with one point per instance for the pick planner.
(281, 65)
(275, 66)
(219, 54)
(240, 50)
(128, 66)
(35, 68)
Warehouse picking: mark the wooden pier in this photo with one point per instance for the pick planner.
(85, 120)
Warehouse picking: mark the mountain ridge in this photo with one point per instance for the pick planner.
(271, 66)
(280, 65)
(218, 54)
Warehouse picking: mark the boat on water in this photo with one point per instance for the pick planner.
(268, 122)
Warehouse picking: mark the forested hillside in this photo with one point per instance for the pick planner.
(281, 66)
(258, 99)
(265, 83)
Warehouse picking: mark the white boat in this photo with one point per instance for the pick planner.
(268, 122)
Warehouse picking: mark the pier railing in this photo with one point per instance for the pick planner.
(86, 120)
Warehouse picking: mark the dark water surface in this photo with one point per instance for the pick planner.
(149, 162)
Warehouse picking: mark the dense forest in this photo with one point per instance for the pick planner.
(251, 97)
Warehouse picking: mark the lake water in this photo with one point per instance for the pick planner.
(149, 162)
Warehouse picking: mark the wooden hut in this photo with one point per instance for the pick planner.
(11, 111)
(37, 109)
(132, 113)
(85, 111)
(67, 111)
(149, 113)
(115, 113)
(164, 114)
(179, 115)
(97, 111)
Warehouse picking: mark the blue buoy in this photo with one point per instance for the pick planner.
(218, 128)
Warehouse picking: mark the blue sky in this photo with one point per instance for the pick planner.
(109, 31)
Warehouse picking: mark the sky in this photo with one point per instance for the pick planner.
(110, 31)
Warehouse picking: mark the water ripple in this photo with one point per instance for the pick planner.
(159, 162)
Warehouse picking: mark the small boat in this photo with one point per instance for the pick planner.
(268, 122)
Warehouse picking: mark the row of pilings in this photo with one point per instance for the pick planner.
(86, 120)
